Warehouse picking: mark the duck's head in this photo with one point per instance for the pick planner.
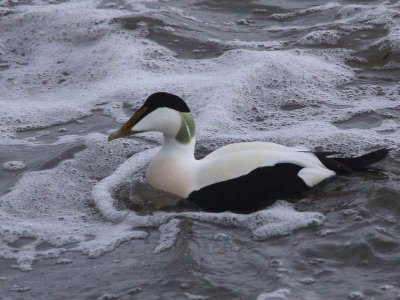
(162, 112)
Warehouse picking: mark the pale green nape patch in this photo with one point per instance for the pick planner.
(187, 130)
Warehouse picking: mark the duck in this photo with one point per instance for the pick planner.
(241, 177)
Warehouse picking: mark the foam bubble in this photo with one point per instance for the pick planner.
(168, 235)
(196, 297)
(312, 10)
(63, 261)
(107, 296)
(19, 289)
(272, 45)
(14, 165)
(356, 296)
(221, 237)
(321, 37)
(391, 42)
(277, 294)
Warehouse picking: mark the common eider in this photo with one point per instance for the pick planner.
(240, 177)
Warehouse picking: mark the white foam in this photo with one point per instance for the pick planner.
(168, 235)
(349, 18)
(380, 15)
(229, 77)
(271, 45)
(51, 207)
(308, 11)
(13, 165)
(275, 295)
(391, 42)
(196, 297)
(102, 192)
(320, 37)
(221, 237)
(356, 296)
(278, 220)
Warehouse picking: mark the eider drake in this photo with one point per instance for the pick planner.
(241, 177)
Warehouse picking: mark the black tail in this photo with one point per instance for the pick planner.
(349, 165)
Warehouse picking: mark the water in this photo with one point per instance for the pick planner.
(300, 73)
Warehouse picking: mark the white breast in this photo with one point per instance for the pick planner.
(171, 174)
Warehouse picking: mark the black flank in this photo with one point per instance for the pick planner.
(254, 191)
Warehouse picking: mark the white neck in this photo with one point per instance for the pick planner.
(172, 147)
(172, 169)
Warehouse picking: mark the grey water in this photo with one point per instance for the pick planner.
(353, 254)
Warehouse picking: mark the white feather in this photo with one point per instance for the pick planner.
(313, 176)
